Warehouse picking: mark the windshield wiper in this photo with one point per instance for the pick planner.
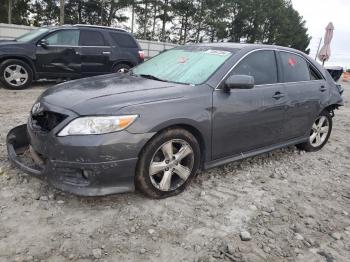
(152, 77)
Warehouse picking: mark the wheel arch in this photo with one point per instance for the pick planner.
(330, 108)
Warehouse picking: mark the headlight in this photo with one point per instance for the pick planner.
(95, 125)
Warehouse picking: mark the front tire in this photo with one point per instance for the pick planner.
(15, 74)
(319, 133)
(167, 164)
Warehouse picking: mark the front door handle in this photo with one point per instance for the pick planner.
(323, 88)
(106, 53)
(278, 95)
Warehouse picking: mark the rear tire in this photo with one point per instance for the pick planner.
(121, 68)
(167, 164)
(319, 133)
(15, 74)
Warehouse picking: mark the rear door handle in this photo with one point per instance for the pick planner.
(278, 95)
(323, 88)
(106, 53)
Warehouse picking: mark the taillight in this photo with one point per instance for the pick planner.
(142, 55)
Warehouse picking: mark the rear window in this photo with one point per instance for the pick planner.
(91, 38)
(123, 40)
(295, 68)
(187, 66)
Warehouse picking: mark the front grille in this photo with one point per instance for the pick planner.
(46, 121)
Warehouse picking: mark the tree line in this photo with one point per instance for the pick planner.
(177, 21)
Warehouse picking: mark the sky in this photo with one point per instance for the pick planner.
(317, 14)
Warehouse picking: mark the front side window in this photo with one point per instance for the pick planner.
(261, 65)
(186, 66)
(64, 37)
(91, 38)
(295, 68)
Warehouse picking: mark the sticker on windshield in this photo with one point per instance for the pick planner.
(182, 59)
(217, 52)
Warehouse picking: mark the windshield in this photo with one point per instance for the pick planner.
(186, 66)
(32, 35)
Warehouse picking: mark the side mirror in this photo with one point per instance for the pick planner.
(43, 43)
(239, 82)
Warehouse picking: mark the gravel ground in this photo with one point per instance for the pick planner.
(287, 205)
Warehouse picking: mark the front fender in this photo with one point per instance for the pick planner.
(194, 109)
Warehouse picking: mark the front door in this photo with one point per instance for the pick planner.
(95, 53)
(249, 119)
(61, 56)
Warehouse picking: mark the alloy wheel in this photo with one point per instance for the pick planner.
(171, 165)
(319, 131)
(15, 75)
(123, 70)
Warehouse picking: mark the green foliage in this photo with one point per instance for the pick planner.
(178, 21)
(21, 16)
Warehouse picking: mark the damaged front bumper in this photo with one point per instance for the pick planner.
(88, 178)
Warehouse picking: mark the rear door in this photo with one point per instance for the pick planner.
(95, 53)
(248, 119)
(306, 89)
(61, 56)
(126, 48)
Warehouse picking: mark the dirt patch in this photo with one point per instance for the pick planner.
(288, 205)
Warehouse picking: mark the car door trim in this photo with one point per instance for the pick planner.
(255, 152)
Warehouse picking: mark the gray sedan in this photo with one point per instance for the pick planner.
(189, 108)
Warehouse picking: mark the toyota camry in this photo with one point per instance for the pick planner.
(188, 109)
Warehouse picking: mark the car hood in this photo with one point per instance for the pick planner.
(109, 93)
(9, 46)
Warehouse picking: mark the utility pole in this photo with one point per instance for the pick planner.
(9, 14)
(132, 16)
(61, 12)
(318, 48)
(102, 1)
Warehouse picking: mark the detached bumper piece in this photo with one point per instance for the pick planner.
(19, 151)
(87, 179)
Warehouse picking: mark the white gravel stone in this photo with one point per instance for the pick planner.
(299, 237)
(97, 253)
(245, 235)
(336, 236)
(44, 198)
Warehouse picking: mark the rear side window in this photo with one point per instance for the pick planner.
(261, 65)
(295, 68)
(314, 75)
(64, 37)
(123, 40)
(91, 38)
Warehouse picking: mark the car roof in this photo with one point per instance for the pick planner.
(248, 46)
(86, 26)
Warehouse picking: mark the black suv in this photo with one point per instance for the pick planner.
(66, 52)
